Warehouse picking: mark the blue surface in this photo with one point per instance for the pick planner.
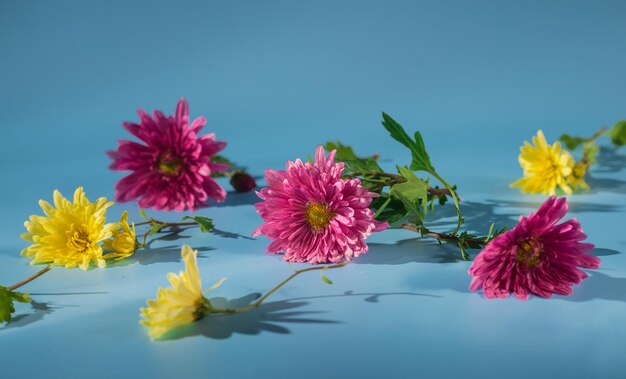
(275, 79)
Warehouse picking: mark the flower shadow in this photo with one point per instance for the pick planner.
(266, 317)
(598, 286)
(235, 199)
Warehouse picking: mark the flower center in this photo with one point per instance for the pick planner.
(78, 238)
(529, 252)
(318, 215)
(170, 163)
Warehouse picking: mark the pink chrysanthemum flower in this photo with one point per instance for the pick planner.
(314, 215)
(537, 256)
(172, 171)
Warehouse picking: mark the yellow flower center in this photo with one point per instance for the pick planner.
(170, 163)
(579, 170)
(78, 238)
(318, 215)
(529, 252)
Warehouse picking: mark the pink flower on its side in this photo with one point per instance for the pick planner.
(172, 169)
(314, 215)
(537, 256)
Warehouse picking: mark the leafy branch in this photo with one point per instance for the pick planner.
(589, 146)
(404, 194)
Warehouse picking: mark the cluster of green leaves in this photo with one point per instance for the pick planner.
(7, 297)
(590, 149)
(404, 194)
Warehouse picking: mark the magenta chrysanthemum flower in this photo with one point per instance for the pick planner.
(172, 171)
(537, 256)
(314, 215)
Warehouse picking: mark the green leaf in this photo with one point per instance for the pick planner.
(412, 192)
(6, 302)
(155, 228)
(394, 210)
(571, 142)
(205, 223)
(344, 152)
(421, 160)
(363, 166)
(326, 279)
(142, 213)
(618, 133)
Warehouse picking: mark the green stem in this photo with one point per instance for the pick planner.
(30, 278)
(455, 199)
(257, 303)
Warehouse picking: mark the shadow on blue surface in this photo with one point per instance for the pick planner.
(609, 160)
(267, 317)
(235, 199)
(599, 286)
(41, 309)
(414, 250)
(225, 234)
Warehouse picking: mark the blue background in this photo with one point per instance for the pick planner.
(275, 79)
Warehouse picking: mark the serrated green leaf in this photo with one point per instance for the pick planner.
(326, 279)
(421, 160)
(344, 152)
(414, 190)
(618, 133)
(571, 142)
(6, 302)
(363, 166)
(205, 223)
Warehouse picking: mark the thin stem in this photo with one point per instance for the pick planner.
(276, 288)
(443, 236)
(455, 199)
(597, 134)
(30, 278)
(166, 224)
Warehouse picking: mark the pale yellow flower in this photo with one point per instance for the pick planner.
(180, 304)
(70, 233)
(123, 243)
(546, 167)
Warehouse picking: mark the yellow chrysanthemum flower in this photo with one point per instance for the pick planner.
(70, 233)
(577, 178)
(180, 304)
(123, 243)
(546, 167)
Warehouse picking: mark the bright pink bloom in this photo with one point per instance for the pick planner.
(537, 256)
(314, 215)
(172, 171)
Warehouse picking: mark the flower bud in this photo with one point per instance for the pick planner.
(242, 181)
